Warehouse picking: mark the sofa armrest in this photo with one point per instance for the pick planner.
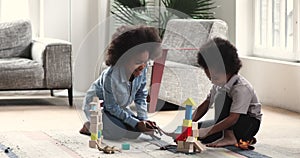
(55, 56)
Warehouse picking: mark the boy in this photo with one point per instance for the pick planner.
(237, 109)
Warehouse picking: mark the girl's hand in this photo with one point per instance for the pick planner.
(151, 124)
(143, 126)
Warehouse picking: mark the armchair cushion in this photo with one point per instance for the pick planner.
(182, 77)
(20, 73)
(15, 39)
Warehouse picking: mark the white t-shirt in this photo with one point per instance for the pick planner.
(244, 98)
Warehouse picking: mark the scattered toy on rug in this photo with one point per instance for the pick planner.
(108, 149)
(246, 145)
(7, 150)
(125, 146)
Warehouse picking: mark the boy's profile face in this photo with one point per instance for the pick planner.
(137, 63)
(216, 77)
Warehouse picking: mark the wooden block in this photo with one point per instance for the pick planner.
(92, 144)
(188, 112)
(194, 125)
(183, 150)
(180, 144)
(94, 136)
(94, 106)
(195, 133)
(191, 139)
(125, 146)
(181, 137)
(189, 146)
(99, 141)
(100, 118)
(94, 127)
(99, 134)
(187, 123)
(199, 146)
(187, 130)
(189, 102)
(94, 119)
(93, 112)
(100, 126)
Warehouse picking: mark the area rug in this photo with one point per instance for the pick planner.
(247, 153)
(69, 144)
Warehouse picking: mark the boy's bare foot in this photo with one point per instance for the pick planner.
(229, 139)
(85, 129)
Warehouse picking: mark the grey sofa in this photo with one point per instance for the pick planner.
(27, 64)
(181, 77)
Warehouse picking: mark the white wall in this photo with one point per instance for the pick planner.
(277, 83)
(226, 12)
(86, 17)
(244, 33)
(55, 19)
(85, 41)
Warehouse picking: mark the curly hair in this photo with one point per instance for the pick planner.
(218, 54)
(133, 39)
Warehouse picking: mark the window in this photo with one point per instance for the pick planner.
(277, 29)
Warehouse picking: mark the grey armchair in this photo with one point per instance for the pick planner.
(27, 64)
(176, 76)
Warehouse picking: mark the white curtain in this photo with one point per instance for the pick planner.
(22, 9)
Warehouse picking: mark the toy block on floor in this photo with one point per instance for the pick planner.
(187, 123)
(96, 124)
(187, 138)
(199, 146)
(185, 147)
(195, 133)
(92, 144)
(194, 125)
(125, 146)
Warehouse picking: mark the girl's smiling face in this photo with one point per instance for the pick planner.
(137, 63)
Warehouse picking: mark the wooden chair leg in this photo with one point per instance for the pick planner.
(156, 77)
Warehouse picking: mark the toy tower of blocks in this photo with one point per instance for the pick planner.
(96, 125)
(188, 133)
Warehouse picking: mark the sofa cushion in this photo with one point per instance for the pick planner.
(15, 39)
(20, 73)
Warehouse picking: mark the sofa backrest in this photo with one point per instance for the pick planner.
(183, 37)
(15, 39)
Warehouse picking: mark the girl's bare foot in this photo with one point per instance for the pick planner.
(229, 139)
(85, 129)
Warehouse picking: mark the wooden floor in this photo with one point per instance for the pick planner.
(52, 131)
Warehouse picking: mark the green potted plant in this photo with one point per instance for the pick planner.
(132, 12)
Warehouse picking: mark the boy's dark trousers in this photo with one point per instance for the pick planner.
(245, 128)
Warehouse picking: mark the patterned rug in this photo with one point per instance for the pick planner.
(68, 144)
